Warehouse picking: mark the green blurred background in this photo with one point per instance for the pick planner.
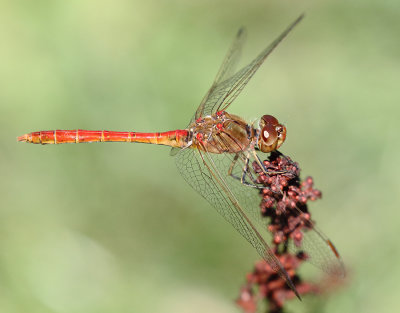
(113, 227)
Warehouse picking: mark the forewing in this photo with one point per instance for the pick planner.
(315, 243)
(221, 95)
(320, 252)
(207, 174)
(227, 68)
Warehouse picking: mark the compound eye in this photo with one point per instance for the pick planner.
(269, 119)
(269, 134)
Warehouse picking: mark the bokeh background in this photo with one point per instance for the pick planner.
(113, 227)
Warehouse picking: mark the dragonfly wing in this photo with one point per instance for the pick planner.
(319, 249)
(227, 68)
(221, 95)
(174, 151)
(320, 252)
(207, 174)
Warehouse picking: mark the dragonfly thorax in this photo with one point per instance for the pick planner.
(222, 133)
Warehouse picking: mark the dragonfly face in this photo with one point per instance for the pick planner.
(272, 134)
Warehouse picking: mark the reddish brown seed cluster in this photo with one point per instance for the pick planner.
(284, 205)
(285, 198)
(271, 286)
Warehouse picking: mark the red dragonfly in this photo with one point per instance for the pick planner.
(213, 155)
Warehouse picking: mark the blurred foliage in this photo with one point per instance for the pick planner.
(113, 227)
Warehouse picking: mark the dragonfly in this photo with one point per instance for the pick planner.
(214, 154)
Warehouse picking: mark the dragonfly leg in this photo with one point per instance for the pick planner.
(265, 169)
(245, 173)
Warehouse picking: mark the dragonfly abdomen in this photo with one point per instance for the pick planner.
(175, 138)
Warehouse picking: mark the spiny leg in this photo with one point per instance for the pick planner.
(265, 170)
(245, 172)
(245, 159)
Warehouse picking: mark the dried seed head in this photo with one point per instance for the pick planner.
(283, 204)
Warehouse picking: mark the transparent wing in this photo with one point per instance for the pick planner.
(320, 251)
(315, 243)
(224, 92)
(227, 68)
(207, 174)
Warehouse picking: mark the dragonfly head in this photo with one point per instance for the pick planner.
(272, 134)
